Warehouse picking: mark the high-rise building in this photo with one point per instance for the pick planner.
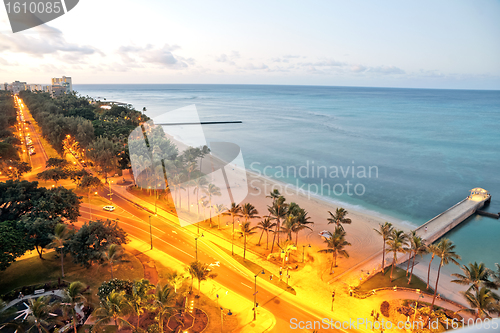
(64, 81)
(18, 86)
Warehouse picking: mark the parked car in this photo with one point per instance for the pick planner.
(325, 234)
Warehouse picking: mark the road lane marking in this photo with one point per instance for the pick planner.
(246, 285)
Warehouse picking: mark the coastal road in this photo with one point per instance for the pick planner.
(180, 244)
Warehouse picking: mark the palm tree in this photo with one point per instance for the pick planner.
(114, 308)
(274, 194)
(410, 236)
(190, 169)
(234, 211)
(277, 211)
(245, 231)
(73, 297)
(298, 227)
(40, 314)
(248, 211)
(419, 249)
(61, 233)
(430, 249)
(211, 191)
(112, 255)
(201, 272)
(200, 184)
(475, 275)
(335, 244)
(385, 231)
(140, 297)
(397, 242)
(483, 303)
(286, 248)
(219, 209)
(339, 217)
(266, 225)
(176, 280)
(445, 252)
(288, 226)
(162, 302)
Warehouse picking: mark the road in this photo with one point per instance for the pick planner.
(180, 244)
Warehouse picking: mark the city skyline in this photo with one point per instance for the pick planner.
(450, 45)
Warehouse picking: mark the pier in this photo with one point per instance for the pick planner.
(438, 226)
(430, 231)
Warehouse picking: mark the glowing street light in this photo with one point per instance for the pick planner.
(196, 244)
(255, 295)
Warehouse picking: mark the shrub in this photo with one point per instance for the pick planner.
(117, 285)
(384, 308)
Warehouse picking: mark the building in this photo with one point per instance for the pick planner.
(63, 82)
(17, 86)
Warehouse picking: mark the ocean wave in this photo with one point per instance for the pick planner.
(322, 115)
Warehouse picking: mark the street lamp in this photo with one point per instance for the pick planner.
(255, 295)
(303, 251)
(196, 243)
(333, 299)
(150, 232)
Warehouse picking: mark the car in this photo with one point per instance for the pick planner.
(325, 234)
(109, 208)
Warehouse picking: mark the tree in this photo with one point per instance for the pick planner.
(54, 162)
(73, 297)
(94, 237)
(277, 211)
(339, 217)
(245, 231)
(445, 251)
(14, 243)
(248, 211)
(211, 191)
(113, 254)
(200, 271)
(163, 303)
(288, 226)
(8, 151)
(61, 233)
(396, 242)
(199, 184)
(475, 275)
(176, 280)
(103, 153)
(14, 169)
(219, 209)
(419, 249)
(336, 244)
(53, 174)
(40, 314)
(433, 250)
(141, 297)
(265, 225)
(483, 303)
(234, 211)
(114, 308)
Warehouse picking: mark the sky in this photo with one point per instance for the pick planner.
(416, 44)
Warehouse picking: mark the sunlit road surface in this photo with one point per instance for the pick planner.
(180, 243)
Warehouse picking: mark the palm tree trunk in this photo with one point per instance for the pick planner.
(199, 287)
(218, 221)
(411, 273)
(409, 259)
(383, 257)
(111, 264)
(74, 324)
(262, 233)
(138, 319)
(335, 258)
(393, 263)
(267, 240)
(429, 271)
(62, 262)
(437, 281)
(245, 247)
(296, 238)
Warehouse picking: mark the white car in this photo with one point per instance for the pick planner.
(325, 234)
(109, 208)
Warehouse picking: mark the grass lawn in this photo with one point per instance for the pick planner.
(33, 270)
(380, 280)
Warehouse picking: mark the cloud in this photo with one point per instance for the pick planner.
(250, 66)
(229, 59)
(386, 70)
(46, 40)
(324, 63)
(136, 56)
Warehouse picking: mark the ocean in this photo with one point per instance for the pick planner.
(408, 154)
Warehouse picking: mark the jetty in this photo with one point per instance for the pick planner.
(438, 226)
(430, 231)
